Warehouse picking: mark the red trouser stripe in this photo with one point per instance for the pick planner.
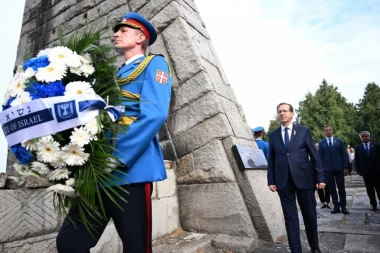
(148, 207)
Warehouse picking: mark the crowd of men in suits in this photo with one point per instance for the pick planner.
(297, 166)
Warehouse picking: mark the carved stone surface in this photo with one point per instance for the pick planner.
(203, 206)
(3, 179)
(25, 212)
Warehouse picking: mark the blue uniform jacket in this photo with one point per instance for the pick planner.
(335, 157)
(264, 146)
(138, 147)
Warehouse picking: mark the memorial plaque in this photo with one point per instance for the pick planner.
(249, 158)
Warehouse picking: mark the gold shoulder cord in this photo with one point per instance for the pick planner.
(139, 70)
(136, 72)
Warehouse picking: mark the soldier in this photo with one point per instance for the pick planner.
(258, 133)
(137, 149)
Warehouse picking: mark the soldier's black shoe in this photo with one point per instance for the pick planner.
(345, 211)
(336, 209)
(317, 250)
(374, 208)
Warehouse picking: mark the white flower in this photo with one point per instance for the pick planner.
(17, 85)
(62, 189)
(80, 136)
(61, 55)
(70, 182)
(76, 71)
(52, 72)
(74, 61)
(40, 168)
(59, 163)
(58, 174)
(74, 155)
(43, 52)
(87, 69)
(21, 99)
(77, 88)
(47, 150)
(93, 126)
(30, 144)
(86, 58)
(29, 72)
(21, 169)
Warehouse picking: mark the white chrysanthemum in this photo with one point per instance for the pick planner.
(74, 61)
(74, 155)
(40, 168)
(70, 182)
(44, 52)
(21, 169)
(86, 58)
(80, 136)
(87, 69)
(93, 126)
(77, 88)
(60, 54)
(58, 174)
(29, 72)
(22, 99)
(30, 144)
(76, 71)
(7, 96)
(17, 85)
(47, 150)
(51, 73)
(59, 163)
(62, 189)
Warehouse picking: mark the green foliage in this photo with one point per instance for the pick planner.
(328, 107)
(369, 112)
(275, 123)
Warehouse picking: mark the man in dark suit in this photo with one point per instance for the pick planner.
(367, 161)
(334, 157)
(294, 170)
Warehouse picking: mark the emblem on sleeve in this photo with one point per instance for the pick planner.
(161, 77)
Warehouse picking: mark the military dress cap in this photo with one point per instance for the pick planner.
(136, 21)
(257, 129)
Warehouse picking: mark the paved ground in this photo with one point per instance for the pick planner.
(358, 232)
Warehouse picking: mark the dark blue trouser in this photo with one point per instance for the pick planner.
(133, 223)
(335, 178)
(372, 184)
(307, 203)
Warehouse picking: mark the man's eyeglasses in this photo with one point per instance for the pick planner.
(366, 136)
(282, 111)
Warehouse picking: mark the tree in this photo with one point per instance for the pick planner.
(369, 112)
(328, 107)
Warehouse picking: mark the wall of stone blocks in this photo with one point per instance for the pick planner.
(205, 117)
(29, 222)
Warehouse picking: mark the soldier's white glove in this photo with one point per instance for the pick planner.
(113, 163)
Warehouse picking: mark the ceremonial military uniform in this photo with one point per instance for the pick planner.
(146, 79)
(263, 145)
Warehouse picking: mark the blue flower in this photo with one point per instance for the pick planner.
(41, 90)
(8, 105)
(36, 62)
(22, 155)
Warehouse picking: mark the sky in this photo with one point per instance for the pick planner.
(272, 51)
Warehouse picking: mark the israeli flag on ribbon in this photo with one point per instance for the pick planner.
(46, 116)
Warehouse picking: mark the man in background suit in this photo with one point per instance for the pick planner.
(294, 170)
(367, 161)
(334, 157)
